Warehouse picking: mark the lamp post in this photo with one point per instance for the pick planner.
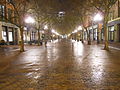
(98, 18)
(29, 20)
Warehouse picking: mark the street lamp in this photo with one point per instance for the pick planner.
(45, 27)
(53, 31)
(79, 27)
(98, 17)
(29, 20)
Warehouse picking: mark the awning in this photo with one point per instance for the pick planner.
(114, 22)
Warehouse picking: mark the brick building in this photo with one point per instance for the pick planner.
(8, 30)
(114, 23)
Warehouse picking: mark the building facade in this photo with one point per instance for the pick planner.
(114, 23)
(9, 32)
(113, 26)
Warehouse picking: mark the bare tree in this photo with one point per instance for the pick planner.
(84, 11)
(41, 13)
(21, 8)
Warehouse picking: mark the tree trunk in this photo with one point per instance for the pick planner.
(88, 36)
(38, 37)
(30, 43)
(106, 47)
(22, 41)
(98, 34)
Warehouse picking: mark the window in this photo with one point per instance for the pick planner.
(102, 34)
(111, 33)
(10, 1)
(2, 12)
(10, 34)
(119, 8)
(111, 15)
(10, 14)
(95, 34)
(4, 34)
(15, 18)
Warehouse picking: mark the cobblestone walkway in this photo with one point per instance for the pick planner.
(62, 65)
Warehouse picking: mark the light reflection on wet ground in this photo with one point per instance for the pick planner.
(62, 65)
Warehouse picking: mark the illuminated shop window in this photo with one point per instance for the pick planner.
(10, 36)
(4, 36)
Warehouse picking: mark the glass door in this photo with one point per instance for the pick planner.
(111, 33)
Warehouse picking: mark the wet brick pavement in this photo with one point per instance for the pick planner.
(62, 65)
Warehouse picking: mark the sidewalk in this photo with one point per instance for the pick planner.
(9, 47)
(111, 44)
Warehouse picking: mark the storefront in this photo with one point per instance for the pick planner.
(33, 36)
(85, 35)
(114, 30)
(4, 34)
(95, 34)
(10, 36)
(9, 33)
(111, 33)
